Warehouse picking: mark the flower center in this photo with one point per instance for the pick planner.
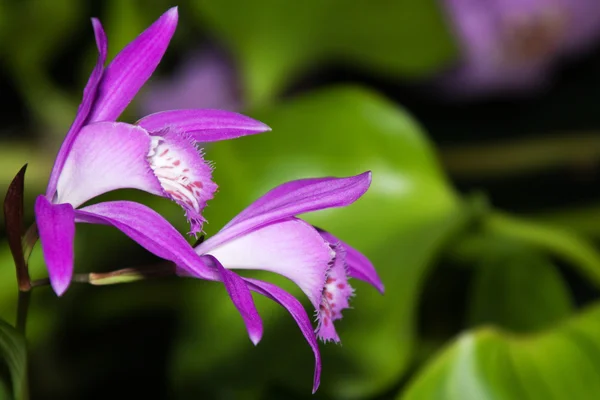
(534, 37)
(173, 174)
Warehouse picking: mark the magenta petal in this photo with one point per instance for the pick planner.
(150, 230)
(107, 156)
(132, 67)
(298, 312)
(242, 299)
(89, 95)
(204, 125)
(359, 266)
(290, 199)
(56, 227)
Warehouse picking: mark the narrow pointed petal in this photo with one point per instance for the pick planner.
(204, 125)
(107, 156)
(183, 174)
(359, 266)
(89, 95)
(294, 307)
(290, 199)
(291, 248)
(151, 231)
(242, 299)
(56, 227)
(132, 67)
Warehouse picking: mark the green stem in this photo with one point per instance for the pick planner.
(558, 241)
(522, 155)
(22, 310)
(125, 275)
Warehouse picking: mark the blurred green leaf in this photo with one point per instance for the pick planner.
(14, 354)
(400, 224)
(38, 31)
(519, 289)
(560, 363)
(274, 40)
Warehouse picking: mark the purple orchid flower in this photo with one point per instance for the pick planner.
(268, 236)
(265, 236)
(158, 154)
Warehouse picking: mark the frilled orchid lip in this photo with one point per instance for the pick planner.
(100, 155)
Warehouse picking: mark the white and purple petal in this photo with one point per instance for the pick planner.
(183, 174)
(56, 228)
(132, 67)
(291, 248)
(106, 156)
(89, 95)
(290, 199)
(204, 125)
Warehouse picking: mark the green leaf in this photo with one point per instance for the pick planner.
(14, 354)
(518, 289)
(400, 224)
(401, 38)
(560, 363)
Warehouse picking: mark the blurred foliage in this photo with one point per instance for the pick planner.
(560, 363)
(503, 294)
(314, 32)
(14, 355)
(518, 331)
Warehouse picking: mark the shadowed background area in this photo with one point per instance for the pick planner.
(480, 122)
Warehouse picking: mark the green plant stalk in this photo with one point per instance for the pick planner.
(557, 241)
(579, 150)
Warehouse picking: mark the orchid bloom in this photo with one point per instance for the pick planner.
(268, 236)
(265, 236)
(158, 154)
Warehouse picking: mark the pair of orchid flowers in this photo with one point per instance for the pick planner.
(159, 155)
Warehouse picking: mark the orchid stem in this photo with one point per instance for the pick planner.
(125, 275)
(22, 310)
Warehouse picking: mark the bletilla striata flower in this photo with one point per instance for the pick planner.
(158, 154)
(268, 236)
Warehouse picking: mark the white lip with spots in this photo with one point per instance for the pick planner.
(174, 175)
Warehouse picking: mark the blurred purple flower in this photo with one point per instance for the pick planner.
(204, 80)
(512, 45)
(157, 155)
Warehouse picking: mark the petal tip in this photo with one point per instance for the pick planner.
(60, 286)
(315, 386)
(173, 13)
(262, 127)
(255, 337)
(367, 175)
